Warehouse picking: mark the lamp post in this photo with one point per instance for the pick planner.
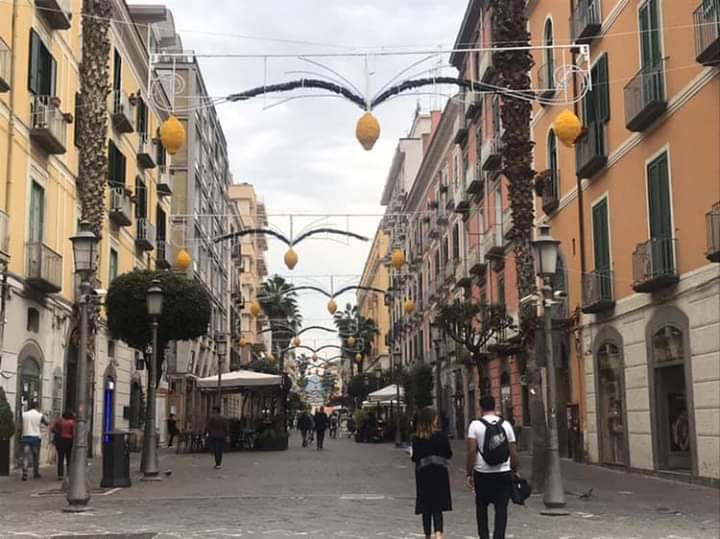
(546, 252)
(221, 349)
(436, 336)
(397, 359)
(84, 245)
(150, 464)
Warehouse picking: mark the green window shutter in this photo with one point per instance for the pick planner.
(76, 123)
(601, 235)
(111, 163)
(602, 89)
(37, 213)
(34, 64)
(52, 75)
(659, 205)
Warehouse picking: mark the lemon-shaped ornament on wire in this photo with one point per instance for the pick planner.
(332, 306)
(255, 309)
(409, 306)
(367, 130)
(242, 342)
(398, 259)
(358, 357)
(567, 127)
(183, 260)
(351, 341)
(172, 135)
(296, 341)
(291, 259)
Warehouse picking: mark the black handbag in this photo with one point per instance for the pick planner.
(520, 490)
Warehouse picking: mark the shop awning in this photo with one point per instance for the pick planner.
(387, 393)
(239, 380)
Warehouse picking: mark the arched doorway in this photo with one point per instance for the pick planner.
(611, 416)
(506, 402)
(29, 384)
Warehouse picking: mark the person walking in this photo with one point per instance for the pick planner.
(217, 430)
(172, 429)
(321, 424)
(492, 461)
(63, 431)
(32, 420)
(304, 424)
(431, 452)
(333, 426)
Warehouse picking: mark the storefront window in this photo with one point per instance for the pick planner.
(611, 405)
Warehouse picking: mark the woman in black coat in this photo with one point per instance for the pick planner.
(430, 453)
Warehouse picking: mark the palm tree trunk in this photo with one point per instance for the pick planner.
(513, 67)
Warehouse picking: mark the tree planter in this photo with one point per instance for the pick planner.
(271, 440)
(4, 458)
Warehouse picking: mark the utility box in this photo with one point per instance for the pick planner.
(116, 460)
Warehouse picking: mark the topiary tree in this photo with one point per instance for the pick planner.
(7, 423)
(185, 315)
(418, 386)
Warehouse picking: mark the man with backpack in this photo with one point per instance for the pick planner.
(492, 461)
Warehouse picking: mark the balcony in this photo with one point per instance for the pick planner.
(486, 67)
(462, 201)
(475, 182)
(508, 223)
(712, 225)
(492, 242)
(492, 153)
(123, 112)
(4, 68)
(164, 185)
(144, 235)
(48, 126)
(473, 106)
(586, 21)
(44, 268)
(450, 271)
(546, 81)
(461, 134)
(120, 206)
(442, 218)
(654, 265)
(164, 255)
(57, 13)
(145, 158)
(590, 151)
(551, 192)
(645, 97)
(597, 291)
(476, 259)
(462, 276)
(707, 32)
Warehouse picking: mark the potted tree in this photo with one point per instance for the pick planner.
(7, 430)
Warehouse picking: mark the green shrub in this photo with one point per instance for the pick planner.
(271, 440)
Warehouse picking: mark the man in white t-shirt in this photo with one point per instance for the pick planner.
(31, 437)
(492, 482)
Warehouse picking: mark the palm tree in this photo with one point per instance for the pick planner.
(513, 68)
(279, 303)
(351, 323)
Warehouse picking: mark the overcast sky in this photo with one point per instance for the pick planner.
(302, 155)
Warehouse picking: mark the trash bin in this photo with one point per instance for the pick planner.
(116, 460)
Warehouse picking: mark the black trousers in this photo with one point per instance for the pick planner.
(320, 438)
(217, 445)
(492, 489)
(430, 519)
(63, 446)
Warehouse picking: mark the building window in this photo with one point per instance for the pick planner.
(113, 265)
(33, 320)
(601, 236)
(116, 166)
(142, 119)
(549, 53)
(42, 72)
(501, 288)
(117, 72)
(596, 104)
(611, 403)
(76, 122)
(111, 348)
(140, 198)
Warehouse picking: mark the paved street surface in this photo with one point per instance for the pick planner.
(349, 490)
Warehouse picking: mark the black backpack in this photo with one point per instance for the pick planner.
(496, 448)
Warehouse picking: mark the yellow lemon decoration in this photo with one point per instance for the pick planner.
(367, 130)
(291, 259)
(172, 135)
(351, 341)
(242, 342)
(398, 259)
(409, 306)
(332, 306)
(271, 358)
(255, 309)
(358, 357)
(183, 260)
(296, 341)
(567, 127)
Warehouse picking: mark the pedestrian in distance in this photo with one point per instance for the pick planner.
(491, 464)
(304, 424)
(32, 420)
(172, 429)
(431, 452)
(63, 431)
(333, 426)
(217, 431)
(321, 424)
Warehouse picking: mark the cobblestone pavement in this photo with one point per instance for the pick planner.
(349, 490)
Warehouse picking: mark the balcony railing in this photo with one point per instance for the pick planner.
(164, 185)
(586, 21)
(591, 151)
(145, 235)
(4, 67)
(712, 225)
(654, 265)
(546, 81)
(476, 258)
(473, 106)
(707, 32)
(146, 148)
(645, 97)
(492, 152)
(120, 206)
(56, 12)
(475, 183)
(462, 275)
(48, 125)
(44, 268)
(450, 271)
(551, 192)
(462, 199)
(123, 113)
(486, 67)
(164, 254)
(493, 242)
(597, 291)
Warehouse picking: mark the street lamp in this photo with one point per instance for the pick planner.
(84, 245)
(546, 251)
(397, 359)
(221, 349)
(436, 337)
(150, 464)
